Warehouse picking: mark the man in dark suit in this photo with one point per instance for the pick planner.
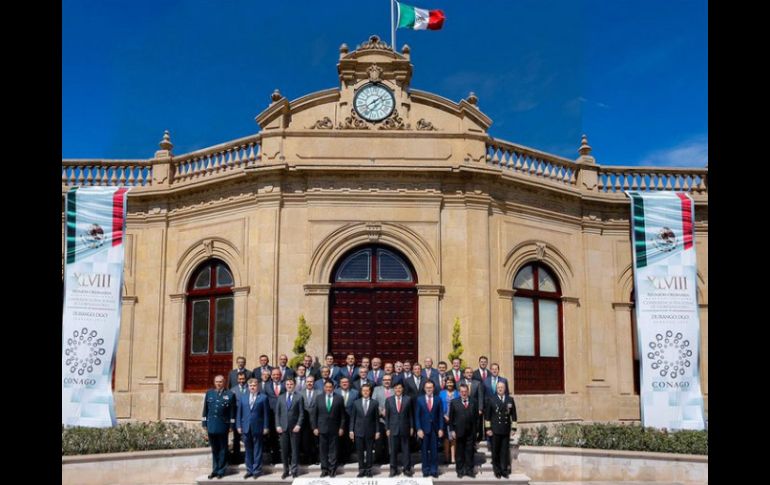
(492, 379)
(363, 378)
(429, 423)
(309, 448)
(399, 426)
(348, 398)
(442, 375)
(325, 377)
(398, 372)
(286, 371)
(456, 372)
(252, 423)
(334, 369)
(328, 419)
(218, 419)
(364, 429)
(238, 389)
(349, 370)
(500, 422)
(463, 414)
(263, 366)
(482, 372)
(299, 377)
(273, 390)
(289, 418)
(311, 368)
(477, 393)
(414, 385)
(375, 374)
(232, 378)
(431, 374)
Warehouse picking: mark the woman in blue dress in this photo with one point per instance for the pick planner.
(446, 396)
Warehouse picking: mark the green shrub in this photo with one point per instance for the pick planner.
(609, 436)
(131, 437)
(303, 337)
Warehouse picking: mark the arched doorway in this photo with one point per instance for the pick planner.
(373, 305)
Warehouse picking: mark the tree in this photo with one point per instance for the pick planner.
(303, 336)
(457, 345)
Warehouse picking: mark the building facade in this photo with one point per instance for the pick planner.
(383, 213)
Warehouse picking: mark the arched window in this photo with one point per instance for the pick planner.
(209, 335)
(537, 332)
(373, 305)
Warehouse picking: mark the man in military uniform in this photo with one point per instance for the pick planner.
(218, 419)
(500, 422)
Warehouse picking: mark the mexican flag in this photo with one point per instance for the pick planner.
(415, 18)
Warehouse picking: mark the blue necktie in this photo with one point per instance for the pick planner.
(289, 401)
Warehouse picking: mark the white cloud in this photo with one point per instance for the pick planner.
(690, 153)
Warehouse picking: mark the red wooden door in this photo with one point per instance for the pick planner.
(373, 306)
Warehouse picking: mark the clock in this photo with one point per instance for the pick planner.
(374, 102)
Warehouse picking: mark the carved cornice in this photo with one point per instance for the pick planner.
(324, 123)
(424, 125)
(430, 290)
(394, 122)
(353, 122)
(317, 288)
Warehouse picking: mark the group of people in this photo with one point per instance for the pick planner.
(319, 413)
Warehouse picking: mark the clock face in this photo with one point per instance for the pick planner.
(374, 102)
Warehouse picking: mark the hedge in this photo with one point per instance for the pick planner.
(131, 437)
(617, 437)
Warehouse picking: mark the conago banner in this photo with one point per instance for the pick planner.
(665, 278)
(93, 280)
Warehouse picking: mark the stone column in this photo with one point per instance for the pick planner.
(502, 349)
(317, 317)
(123, 359)
(240, 318)
(624, 344)
(429, 333)
(574, 346)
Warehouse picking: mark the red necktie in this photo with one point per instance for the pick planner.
(430, 403)
(398, 404)
(277, 389)
(465, 403)
(484, 375)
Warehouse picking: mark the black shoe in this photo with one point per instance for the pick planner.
(333, 473)
(211, 475)
(324, 473)
(284, 475)
(248, 475)
(221, 475)
(392, 473)
(361, 474)
(435, 475)
(369, 473)
(408, 473)
(506, 475)
(459, 475)
(294, 475)
(471, 474)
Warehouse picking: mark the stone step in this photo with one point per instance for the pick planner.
(272, 475)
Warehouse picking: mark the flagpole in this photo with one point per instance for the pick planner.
(392, 28)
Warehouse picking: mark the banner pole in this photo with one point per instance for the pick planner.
(392, 27)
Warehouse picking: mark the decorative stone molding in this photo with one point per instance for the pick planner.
(208, 247)
(317, 288)
(241, 290)
(424, 125)
(540, 251)
(506, 293)
(177, 297)
(353, 122)
(395, 122)
(324, 123)
(374, 72)
(528, 251)
(375, 231)
(430, 290)
(571, 299)
(374, 43)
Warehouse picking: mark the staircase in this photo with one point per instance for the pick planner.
(272, 473)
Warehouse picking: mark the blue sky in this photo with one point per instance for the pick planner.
(631, 74)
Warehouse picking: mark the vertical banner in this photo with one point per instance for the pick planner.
(665, 278)
(93, 281)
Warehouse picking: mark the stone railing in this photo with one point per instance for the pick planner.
(185, 169)
(86, 173)
(619, 179)
(608, 179)
(541, 165)
(216, 160)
